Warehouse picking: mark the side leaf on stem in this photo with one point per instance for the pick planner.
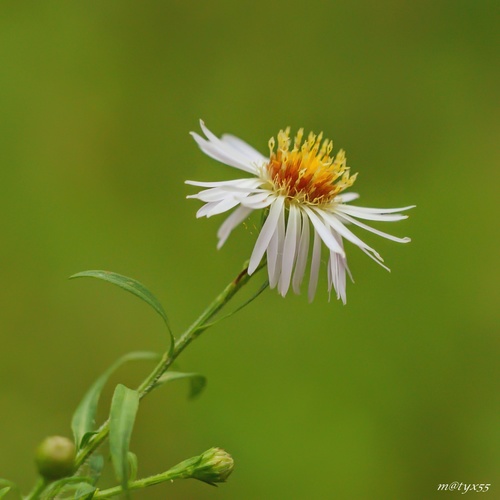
(124, 408)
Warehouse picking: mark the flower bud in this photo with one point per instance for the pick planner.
(55, 457)
(215, 466)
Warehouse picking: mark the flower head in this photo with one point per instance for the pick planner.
(215, 466)
(301, 184)
(212, 466)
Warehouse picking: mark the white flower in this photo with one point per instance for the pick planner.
(301, 186)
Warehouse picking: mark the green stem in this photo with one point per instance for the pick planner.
(40, 485)
(169, 357)
(138, 484)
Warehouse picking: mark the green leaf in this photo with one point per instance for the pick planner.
(133, 286)
(83, 420)
(74, 491)
(85, 491)
(7, 486)
(197, 381)
(95, 464)
(121, 423)
(133, 466)
(63, 485)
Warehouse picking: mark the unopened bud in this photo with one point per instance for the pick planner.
(215, 466)
(55, 457)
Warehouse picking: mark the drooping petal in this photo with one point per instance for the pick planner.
(266, 234)
(323, 231)
(272, 259)
(315, 262)
(340, 228)
(375, 259)
(237, 217)
(337, 266)
(289, 249)
(277, 242)
(302, 253)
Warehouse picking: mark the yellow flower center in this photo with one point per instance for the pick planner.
(307, 174)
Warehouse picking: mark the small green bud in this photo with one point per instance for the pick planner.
(215, 466)
(55, 457)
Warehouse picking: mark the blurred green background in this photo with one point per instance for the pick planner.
(383, 398)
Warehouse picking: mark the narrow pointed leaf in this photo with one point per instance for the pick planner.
(130, 285)
(95, 464)
(83, 420)
(85, 491)
(61, 485)
(196, 380)
(121, 423)
(133, 466)
(7, 486)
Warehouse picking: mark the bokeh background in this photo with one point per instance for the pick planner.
(382, 398)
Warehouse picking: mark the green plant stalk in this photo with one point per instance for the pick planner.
(169, 475)
(170, 356)
(40, 485)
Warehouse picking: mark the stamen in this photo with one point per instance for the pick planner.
(308, 173)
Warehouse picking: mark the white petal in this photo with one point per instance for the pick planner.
(315, 262)
(210, 135)
(346, 197)
(277, 241)
(272, 260)
(338, 276)
(323, 231)
(228, 149)
(375, 259)
(355, 212)
(202, 212)
(222, 154)
(381, 210)
(222, 206)
(256, 197)
(240, 145)
(240, 183)
(337, 226)
(258, 203)
(266, 234)
(300, 265)
(289, 249)
(376, 231)
(218, 194)
(238, 216)
(338, 266)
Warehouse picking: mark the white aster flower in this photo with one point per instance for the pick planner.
(301, 185)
